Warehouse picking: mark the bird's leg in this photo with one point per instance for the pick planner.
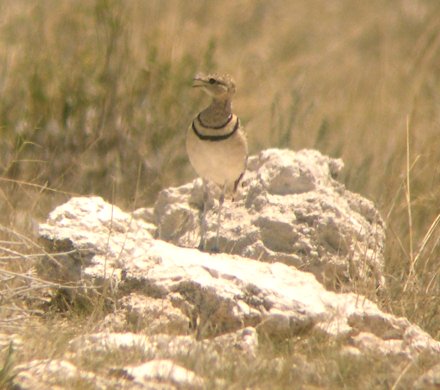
(219, 216)
(236, 183)
(203, 216)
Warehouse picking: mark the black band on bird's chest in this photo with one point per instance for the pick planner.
(214, 138)
(215, 127)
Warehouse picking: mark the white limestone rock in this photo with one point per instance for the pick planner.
(84, 227)
(137, 311)
(60, 374)
(120, 343)
(243, 341)
(290, 209)
(50, 374)
(163, 370)
(218, 293)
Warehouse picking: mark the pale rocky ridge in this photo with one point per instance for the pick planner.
(291, 214)
(289, 209)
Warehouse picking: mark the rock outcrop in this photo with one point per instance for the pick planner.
(290, 209)
(291, 213)
(216, 293)
(60, 374)
(159, 370)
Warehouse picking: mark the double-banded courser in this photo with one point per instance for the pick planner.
(216, 142)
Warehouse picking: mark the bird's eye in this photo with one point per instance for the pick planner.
(212, 81)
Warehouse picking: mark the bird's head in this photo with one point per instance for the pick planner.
(219, 86)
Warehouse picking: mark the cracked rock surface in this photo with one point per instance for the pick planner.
(291, 209)
(291, 216)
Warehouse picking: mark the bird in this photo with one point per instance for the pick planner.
(216, 143)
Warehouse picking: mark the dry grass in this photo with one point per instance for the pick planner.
(94, 99)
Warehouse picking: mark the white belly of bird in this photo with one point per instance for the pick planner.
(221, 162)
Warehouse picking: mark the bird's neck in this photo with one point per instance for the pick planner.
(217, 113)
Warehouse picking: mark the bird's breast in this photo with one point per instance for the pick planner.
(220, 154)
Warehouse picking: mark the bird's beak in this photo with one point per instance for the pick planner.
(198, 82)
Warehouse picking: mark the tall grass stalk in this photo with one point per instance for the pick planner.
(408, 201)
